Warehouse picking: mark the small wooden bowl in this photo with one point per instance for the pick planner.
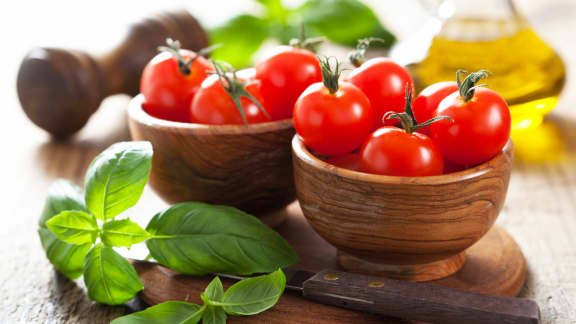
(245, 166)
(414, 229)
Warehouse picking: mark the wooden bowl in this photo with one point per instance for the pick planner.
(245, 166)
(410, 228)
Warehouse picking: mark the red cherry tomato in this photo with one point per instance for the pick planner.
(168, 92)
(213, 105)
(333, 124)
(425, 105)
(384, 82)
(285, 73)
(348, 161)
(480, 129)
(392, 151)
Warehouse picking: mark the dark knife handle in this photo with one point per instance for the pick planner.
(417, 301)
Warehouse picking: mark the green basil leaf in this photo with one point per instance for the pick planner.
(328, 16)
(254, 295)
(173, 312)
(197, 238)
(74, 227)
(123, 233)
(214, 315)
(214, 291)
(109, 278)
(68, 259)
(239, 37)
(116, 178)
(275, 10)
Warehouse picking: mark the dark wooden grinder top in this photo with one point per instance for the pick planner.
(60, 89)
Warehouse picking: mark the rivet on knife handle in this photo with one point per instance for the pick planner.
(417, 301)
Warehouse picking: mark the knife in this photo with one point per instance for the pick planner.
(408, 300)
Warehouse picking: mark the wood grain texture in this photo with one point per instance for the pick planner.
(405, 228)
(417, 301)
(539, 211)
(495, 266)
(245, 166)
(60, 89)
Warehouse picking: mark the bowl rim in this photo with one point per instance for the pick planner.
(301, 152)
(137, 114)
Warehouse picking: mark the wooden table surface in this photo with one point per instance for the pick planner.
(540, 210)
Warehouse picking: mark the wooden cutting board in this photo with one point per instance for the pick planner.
(495, 265)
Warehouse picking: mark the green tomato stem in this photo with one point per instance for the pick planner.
(358, 55)
(407, 119)
(468, 86)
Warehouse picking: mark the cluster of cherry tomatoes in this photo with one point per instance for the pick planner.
(450, 126)
(183, 86)
(351, 121)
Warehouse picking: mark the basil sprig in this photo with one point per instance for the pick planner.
(246, 297)
(79, 232)
(340, 21)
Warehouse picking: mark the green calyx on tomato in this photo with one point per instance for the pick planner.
(467, 86)
(407, 119)
(173, 47)
(236, 89)
(358, 55)
(331, 73)
(310, 44)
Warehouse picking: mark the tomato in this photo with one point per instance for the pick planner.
(480, 127)
(392, 151)
(384, 82)
(285, 73)
(349, 161)
(214, 105)
(424, 106)
(333, 123)
(167, 90)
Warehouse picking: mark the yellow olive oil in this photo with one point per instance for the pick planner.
(525, 70)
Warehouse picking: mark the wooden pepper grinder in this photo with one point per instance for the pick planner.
(60, 89)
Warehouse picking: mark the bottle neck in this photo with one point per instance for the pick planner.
(469, 20)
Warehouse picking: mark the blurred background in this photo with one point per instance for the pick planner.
(529, 45)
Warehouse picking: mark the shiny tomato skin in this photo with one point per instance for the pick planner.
(285, 73)
(391, 151)
(212, 105)
(166, 90)
(333, 124)
(247, 74)
(480, 129)
(425, 105)
(349, 161)
(384, 83)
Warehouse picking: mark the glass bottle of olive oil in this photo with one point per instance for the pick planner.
(491, 35)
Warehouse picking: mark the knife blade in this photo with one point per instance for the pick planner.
(408, 300)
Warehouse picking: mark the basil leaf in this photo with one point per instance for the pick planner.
(109, 278)
(116, 178)
(328, 16)
(239, 37)
(254, 295)
(173, 312)
(123, 233)
(214, 315)
(214, 291)
(275, 10)
(74, 227)
(197, 238)
(68, 259)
